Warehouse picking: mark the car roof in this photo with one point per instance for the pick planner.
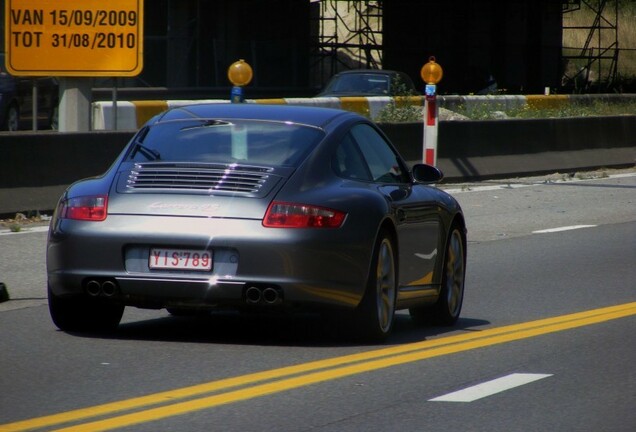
(331, 88)
(385, 72)
(313, 116)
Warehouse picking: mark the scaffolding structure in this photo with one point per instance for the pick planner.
(594, 65)
(348, 36)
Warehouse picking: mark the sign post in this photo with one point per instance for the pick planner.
(74, 38)
(431, 74)
(74, 111)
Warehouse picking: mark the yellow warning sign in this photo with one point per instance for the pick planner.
(74, 37)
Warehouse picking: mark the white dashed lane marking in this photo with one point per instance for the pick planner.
(490, 388)
(565, 228)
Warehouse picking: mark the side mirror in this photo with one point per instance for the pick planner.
(426, 174)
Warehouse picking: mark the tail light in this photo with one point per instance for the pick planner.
(292, 215)
(86, 208)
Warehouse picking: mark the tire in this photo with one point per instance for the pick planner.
(375, 315)
(446, 310)
(83, 314)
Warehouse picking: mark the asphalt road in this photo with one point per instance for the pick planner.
(546, 340)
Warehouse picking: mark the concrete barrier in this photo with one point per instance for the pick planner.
(35, 168)
(474, 150)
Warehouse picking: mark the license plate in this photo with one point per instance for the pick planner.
(180, 259)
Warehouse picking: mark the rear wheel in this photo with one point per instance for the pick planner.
(82, 314)
(375, 314)
(448, 307)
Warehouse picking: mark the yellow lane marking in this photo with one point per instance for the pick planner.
(291, 377)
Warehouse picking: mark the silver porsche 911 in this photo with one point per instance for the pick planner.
(255, 207)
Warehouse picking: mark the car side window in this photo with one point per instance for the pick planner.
(348, 162)
(382, 161)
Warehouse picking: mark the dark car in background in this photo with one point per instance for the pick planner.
(369, 82)
(16, 101)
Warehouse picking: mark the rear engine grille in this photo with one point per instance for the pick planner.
(209, 178)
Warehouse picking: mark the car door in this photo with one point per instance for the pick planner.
(414, 207)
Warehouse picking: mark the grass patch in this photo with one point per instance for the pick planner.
(595, 108)
(22, 221)
(393, 113)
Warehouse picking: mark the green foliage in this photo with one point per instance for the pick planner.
(485, 111)
(594, 108)
(399, 88)
(394, 113)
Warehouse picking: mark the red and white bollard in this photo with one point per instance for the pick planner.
(430, 126)
(431, 74)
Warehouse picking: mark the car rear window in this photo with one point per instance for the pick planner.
(362, 83)
(253, 142)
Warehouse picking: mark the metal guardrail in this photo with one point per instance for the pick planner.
(133, 114)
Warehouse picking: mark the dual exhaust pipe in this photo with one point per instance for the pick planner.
(269, 295)
(105, 288)
(253, 295)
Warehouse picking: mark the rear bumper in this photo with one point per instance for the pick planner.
(156, 293)
(308, 267)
